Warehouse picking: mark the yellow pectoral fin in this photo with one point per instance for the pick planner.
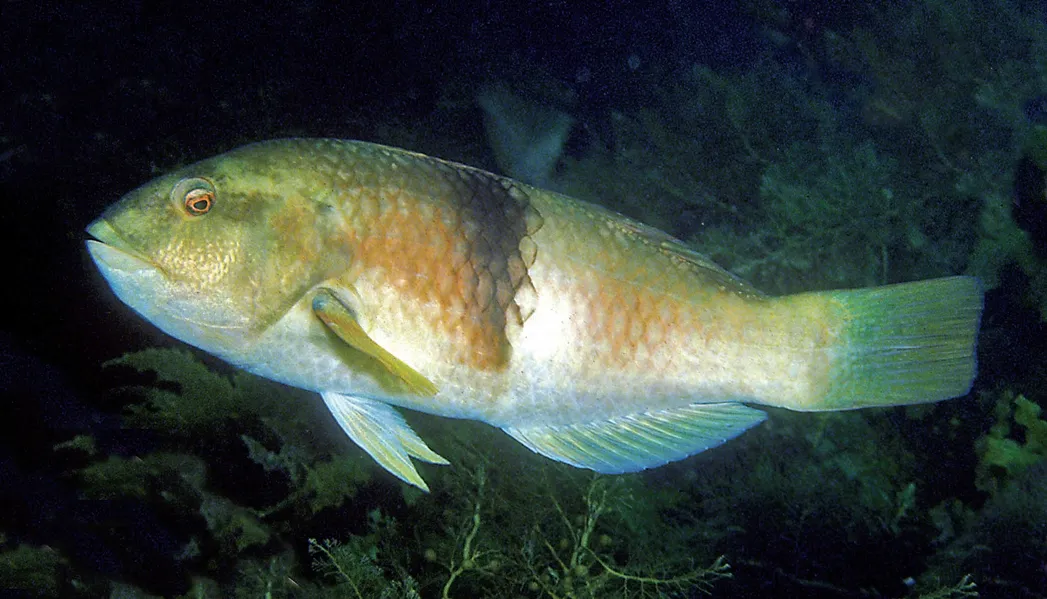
(342, 323)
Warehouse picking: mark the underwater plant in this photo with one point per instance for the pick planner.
(1016, 441)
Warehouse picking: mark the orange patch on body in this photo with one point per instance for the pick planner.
(432, 264)
(629, 326)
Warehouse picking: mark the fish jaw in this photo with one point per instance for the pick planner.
(131, 277)
(146, 288)
(110, 247)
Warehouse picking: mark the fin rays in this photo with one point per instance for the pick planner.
(384, 434)
(639, 441)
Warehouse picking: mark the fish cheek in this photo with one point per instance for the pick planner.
(204, 260)
(202, 267)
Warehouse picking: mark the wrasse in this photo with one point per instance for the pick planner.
(382, 278)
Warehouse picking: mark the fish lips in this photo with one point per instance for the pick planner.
(146, 288)
(127, 273)
(110, 252)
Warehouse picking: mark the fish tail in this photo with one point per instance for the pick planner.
(902, 344)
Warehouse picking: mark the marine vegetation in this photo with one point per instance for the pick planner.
(238, 461)
(870, 144)
(1002, 456)
(271, 501)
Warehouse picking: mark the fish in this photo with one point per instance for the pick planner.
(384, 279)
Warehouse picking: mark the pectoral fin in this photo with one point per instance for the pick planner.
(638, 441)
(382, 432)
(341, 322)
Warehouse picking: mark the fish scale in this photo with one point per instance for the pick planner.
(383, 279)
(485, 235)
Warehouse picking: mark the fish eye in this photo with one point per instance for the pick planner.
(199, 201)
(196, 195)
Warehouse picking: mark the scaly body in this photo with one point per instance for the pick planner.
(382, 277)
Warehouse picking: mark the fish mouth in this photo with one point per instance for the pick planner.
(111, 250)
(104, 232)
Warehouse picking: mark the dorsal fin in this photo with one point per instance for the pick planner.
(681, 252)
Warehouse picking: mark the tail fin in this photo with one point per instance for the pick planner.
(904, 344)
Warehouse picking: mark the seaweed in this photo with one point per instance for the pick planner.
(1006, 450)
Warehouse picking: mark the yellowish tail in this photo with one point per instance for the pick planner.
(903, 344)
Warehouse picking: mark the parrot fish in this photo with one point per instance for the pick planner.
(382, 279)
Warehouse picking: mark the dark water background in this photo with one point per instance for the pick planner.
(703, 118)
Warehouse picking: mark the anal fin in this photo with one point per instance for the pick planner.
(384, 434)
(640, 441)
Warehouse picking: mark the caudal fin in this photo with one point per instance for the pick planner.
(903, 344)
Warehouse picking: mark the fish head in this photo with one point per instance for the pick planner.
(218, 251)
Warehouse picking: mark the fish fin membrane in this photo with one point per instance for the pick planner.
(383, 433)
(527, 138)
(638, 441)
(904, 344)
